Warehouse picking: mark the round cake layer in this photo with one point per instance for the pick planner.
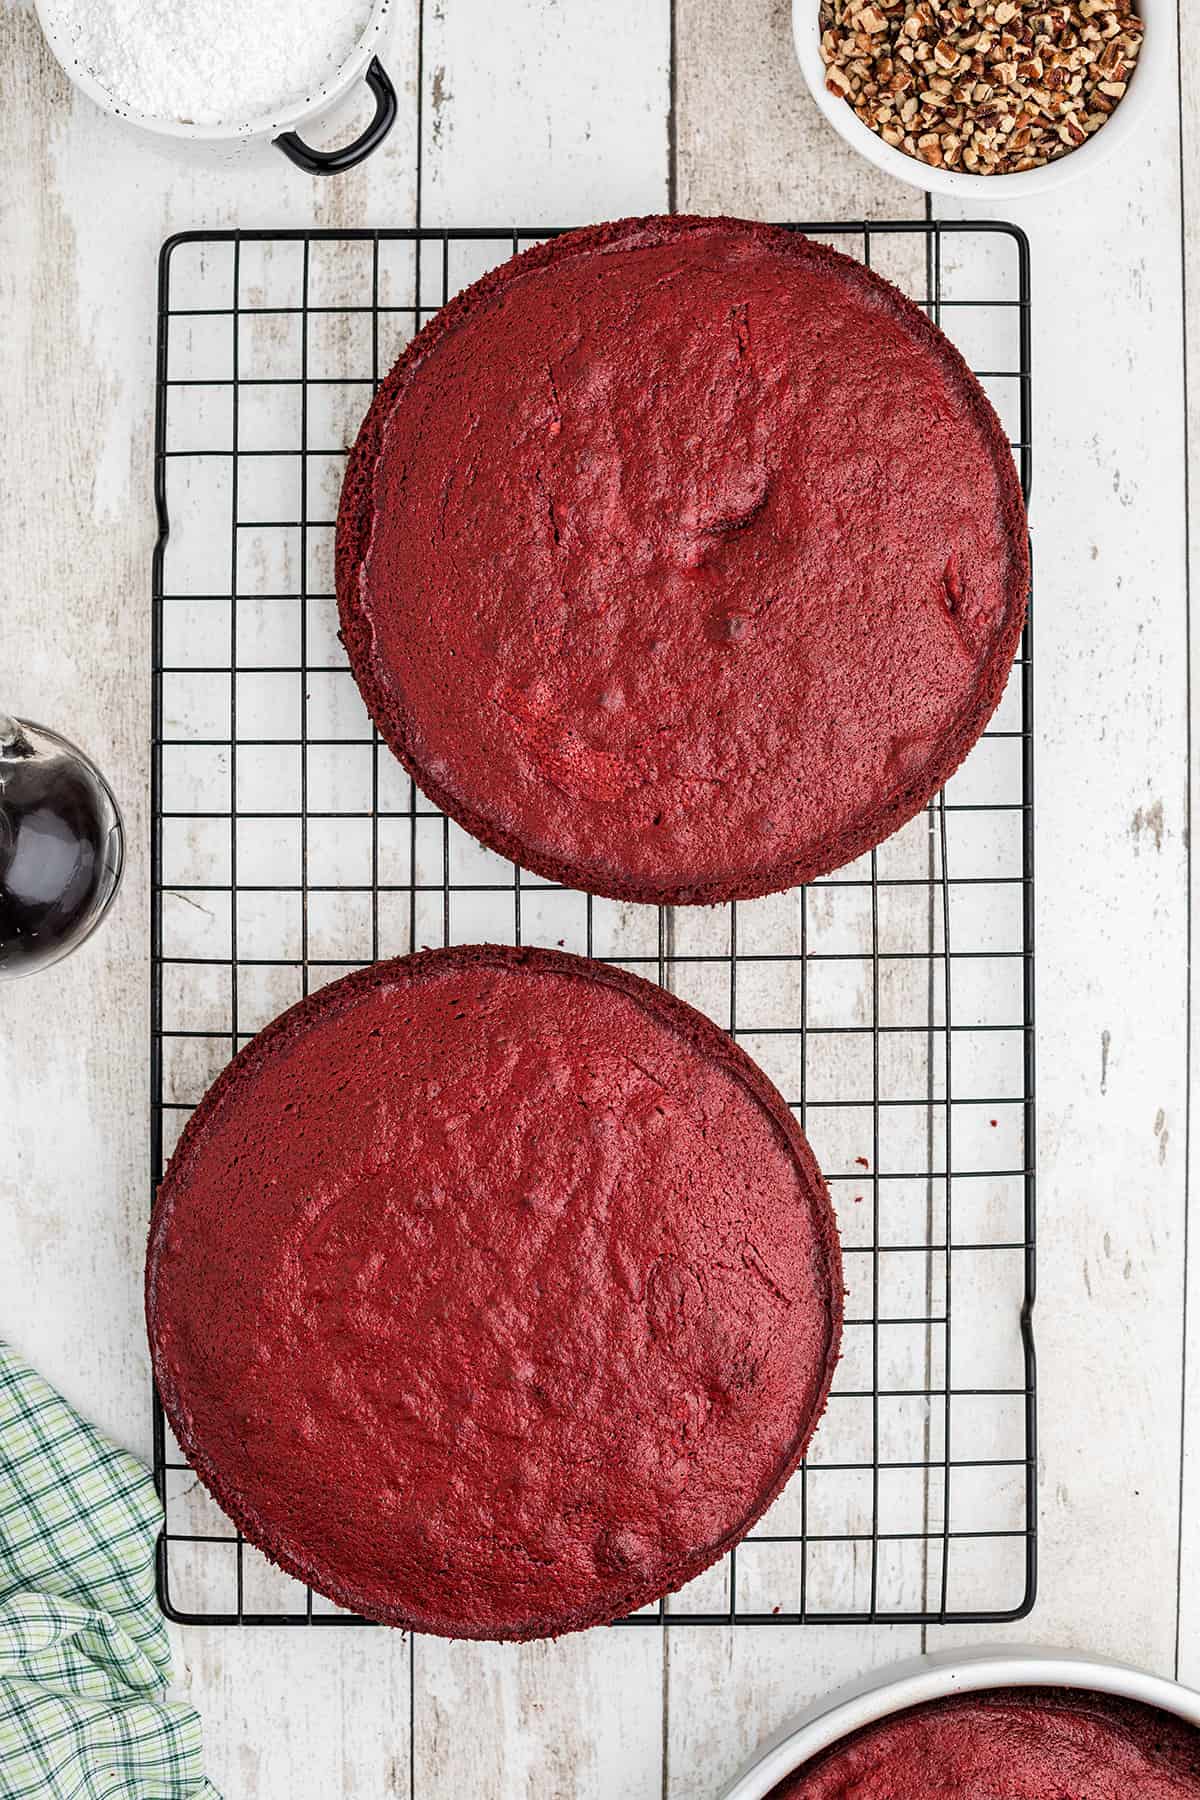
(1011, 1744)
(681, 559)
(493, 1292)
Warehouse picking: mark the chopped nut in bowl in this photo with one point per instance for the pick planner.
(954, 94)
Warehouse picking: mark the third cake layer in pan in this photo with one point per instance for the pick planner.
(1010, 1744)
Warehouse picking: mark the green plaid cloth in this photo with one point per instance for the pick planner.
(84, 1655)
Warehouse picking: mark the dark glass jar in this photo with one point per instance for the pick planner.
(61, 847)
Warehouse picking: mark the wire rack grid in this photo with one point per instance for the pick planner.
(892, 1003)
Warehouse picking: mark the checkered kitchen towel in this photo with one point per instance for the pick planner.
(84, 1656)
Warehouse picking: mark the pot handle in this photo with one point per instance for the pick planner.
(333, 162)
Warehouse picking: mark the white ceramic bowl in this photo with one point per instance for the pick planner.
(1122, 124)
(935, 1677)
(233, 138)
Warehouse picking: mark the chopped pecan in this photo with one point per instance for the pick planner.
(986, 85)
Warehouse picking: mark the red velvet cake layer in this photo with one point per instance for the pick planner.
(681, 559)
(493, 1292)
(1011, 1744)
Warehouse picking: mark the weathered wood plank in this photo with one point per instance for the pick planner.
(749, 141)
(748, 138)
(1111, 871)
(1111, 721)
(535, 115)
(551, 115)
(81, 233)
(1188, 1655)
(579, 1719)
(544, 115)
(298, 1712)
(289, 1712)
(728, 1691)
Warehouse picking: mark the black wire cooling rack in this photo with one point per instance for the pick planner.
(892, 1002)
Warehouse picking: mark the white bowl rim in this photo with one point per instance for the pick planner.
(915, 1682)
(1124, 120)
(263, 125)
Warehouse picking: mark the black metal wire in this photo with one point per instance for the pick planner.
(870, 1587)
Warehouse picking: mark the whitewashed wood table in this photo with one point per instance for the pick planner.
(564, 111)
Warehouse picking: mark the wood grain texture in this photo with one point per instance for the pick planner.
(748, 138)
(579, 1719)
(286, 1714)
(749, 141)
(1111, 634)
(81, 234)
(541, 114)
(1112, 855)
(557, 113)
(311, 1715)
(550, 115)
(1188, 1648)
(729, 1691)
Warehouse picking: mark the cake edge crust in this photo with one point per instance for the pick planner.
(356, 512)
(292, 1025)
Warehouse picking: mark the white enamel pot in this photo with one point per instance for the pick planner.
(936, 1678)
(282, 128)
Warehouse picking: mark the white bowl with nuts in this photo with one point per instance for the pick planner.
(982, 96)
